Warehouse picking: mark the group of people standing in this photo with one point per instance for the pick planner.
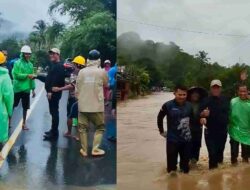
(85, 84)
(193, 111)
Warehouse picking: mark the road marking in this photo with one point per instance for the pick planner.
(7, 147)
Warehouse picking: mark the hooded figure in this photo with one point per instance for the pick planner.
(6, 100)
(23, 81)
(195, 96)
(89, 91)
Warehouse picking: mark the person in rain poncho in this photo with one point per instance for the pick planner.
(6, 100)
(111, 131)
(23, 81)
(239, 125)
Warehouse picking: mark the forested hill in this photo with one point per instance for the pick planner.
(168, 65)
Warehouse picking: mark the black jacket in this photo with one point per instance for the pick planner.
(55, 77)
(219, 113)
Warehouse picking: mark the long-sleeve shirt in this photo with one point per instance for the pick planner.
(20, 72)
(55, 77)
(178, 121)
(239, 124)
(219, 107)
(6, 103)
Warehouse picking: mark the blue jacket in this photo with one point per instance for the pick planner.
(178, 121)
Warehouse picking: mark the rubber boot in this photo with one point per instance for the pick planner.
(84, 144)
(96, 151)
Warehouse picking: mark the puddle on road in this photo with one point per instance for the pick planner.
(35, 164)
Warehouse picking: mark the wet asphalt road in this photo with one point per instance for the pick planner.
(36, 164)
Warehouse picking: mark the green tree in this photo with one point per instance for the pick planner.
(40, 33)
(12, 46)
(168, 65)
(77, 9)
(97, 31)
(53, 33)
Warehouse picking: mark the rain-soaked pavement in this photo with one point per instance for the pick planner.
(36, 164)
(141, 159)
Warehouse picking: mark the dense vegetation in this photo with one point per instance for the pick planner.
(92, 26)
(168, 65)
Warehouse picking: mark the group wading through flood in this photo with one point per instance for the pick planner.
(220, 116)
(149, 148)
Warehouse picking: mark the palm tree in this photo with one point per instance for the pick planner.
(34, 40)
(53, 32)
(40, 33)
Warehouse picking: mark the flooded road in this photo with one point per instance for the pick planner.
(36, 164)
(142, 157)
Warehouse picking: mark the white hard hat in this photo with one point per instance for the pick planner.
(26, 49)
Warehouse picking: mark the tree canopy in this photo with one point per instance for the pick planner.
(168, 65)
(92, 26)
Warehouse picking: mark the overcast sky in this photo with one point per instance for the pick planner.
(22, 14)
(208, 16)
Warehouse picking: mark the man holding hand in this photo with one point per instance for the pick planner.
(214, 115)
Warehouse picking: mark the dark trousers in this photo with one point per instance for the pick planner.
(215, 145)
(196, 145)
(54, 112)
(173, 150)
(235, 151)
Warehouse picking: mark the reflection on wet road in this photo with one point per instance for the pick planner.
(142, 155)
(35, 164)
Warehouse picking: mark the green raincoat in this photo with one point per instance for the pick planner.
(6, 103)
(20, 73)
(239, 125)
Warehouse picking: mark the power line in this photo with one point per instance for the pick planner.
(181, 29)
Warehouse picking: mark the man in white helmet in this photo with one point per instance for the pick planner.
(23, 81)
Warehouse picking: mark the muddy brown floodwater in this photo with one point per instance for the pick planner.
(142, 155)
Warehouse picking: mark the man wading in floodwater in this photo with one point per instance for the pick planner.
(178, 112)
(239, 125)
(214, 115)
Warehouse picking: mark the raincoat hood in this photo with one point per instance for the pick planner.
(6, 103)
(22, 57)
(239, 125)
(20, 72)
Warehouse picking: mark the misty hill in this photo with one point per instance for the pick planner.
(16, 35)
(7, 30)
(168, 65)
(131, 44)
